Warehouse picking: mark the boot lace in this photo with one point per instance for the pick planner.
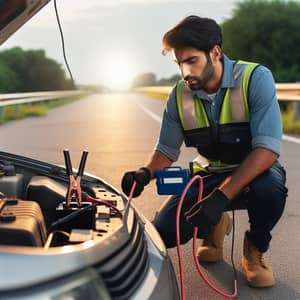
(257, 258)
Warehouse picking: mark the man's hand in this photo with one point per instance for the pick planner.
(208, 212)
(142, 177)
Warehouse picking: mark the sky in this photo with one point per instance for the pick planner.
(109, 42)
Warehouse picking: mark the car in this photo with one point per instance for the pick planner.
(72, 236)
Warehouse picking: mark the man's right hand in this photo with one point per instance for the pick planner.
(142, 177)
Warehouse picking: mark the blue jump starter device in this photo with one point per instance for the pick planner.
(171, 180)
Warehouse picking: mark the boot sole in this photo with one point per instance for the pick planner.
(260, 284)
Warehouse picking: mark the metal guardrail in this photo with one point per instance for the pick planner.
(284, 91)
(20, 98)
(288, 91)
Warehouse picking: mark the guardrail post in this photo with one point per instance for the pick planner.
(17, 108)
(1, 113)
(296, 111)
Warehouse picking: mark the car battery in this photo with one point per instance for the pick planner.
(85, 220)
(171, 180)
(21, 223)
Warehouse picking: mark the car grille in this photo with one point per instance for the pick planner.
(125, 270)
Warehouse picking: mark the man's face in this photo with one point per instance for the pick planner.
(195, 66)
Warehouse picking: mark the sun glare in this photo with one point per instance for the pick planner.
(117, 75)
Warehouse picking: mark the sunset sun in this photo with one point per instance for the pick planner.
(117, 73)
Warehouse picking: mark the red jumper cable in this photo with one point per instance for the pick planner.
(201, 273)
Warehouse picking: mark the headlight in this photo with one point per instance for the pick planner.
(84, 285)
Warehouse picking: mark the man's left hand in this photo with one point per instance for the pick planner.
(208, 212)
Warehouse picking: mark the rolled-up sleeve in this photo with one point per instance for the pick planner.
(171, 135)
(265, 116)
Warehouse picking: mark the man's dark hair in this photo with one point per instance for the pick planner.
(193, 31)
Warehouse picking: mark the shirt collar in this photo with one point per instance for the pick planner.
(227, 80)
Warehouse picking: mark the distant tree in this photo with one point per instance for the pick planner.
(49, 73)
(30, 70)
(9, 80)
(149, 79)
(98, 88)
(169, 81)
(267, 32)
(146, 79)
(15, 61)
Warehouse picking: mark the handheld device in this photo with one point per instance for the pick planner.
(171, 180)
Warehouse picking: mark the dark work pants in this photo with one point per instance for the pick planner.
(265, 201)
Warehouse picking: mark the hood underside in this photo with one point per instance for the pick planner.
(15, 13)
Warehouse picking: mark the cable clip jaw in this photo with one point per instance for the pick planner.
(74, 188)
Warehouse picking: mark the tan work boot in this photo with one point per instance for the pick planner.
(211, 249)
(257, 270)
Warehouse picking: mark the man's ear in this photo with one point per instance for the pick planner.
(216, 53)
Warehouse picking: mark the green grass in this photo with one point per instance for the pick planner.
(16, 112)
(59, 102)
(161, 96)
(289, 125)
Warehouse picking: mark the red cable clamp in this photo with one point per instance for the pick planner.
(74, 187)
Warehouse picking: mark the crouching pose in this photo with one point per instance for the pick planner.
(228, 111)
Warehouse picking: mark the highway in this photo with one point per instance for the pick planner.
(119, 131)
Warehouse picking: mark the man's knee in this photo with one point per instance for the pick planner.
(270, 185)
(167, 236)
(167, 231)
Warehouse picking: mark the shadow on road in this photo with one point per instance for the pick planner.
(221, 275)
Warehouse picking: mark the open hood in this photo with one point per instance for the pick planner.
(15, 13)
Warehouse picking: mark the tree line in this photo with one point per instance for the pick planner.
(262, 31)
(29, 71)
(149, 79)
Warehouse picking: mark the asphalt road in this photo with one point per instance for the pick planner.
(119, 131)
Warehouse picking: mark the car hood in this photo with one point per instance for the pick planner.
(15, 13)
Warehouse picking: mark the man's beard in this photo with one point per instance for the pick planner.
(201, 81)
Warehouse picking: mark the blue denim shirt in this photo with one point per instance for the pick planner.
(265, 116)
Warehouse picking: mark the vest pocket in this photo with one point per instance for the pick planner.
(235, 142)
(201, 138)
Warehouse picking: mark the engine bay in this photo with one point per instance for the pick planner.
(44, 211)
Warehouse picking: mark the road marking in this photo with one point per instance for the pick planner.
(290, 139)
(153, 115)
(158, 119)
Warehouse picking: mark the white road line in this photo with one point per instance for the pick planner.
(290, 139)
(158, 119)
(153, 115)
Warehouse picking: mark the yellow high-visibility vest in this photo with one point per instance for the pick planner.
(233, 130)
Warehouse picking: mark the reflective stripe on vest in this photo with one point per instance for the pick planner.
(234, 109)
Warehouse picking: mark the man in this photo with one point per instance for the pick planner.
(227, 110)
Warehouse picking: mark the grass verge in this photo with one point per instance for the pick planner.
(16, 112)
(289, 124)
